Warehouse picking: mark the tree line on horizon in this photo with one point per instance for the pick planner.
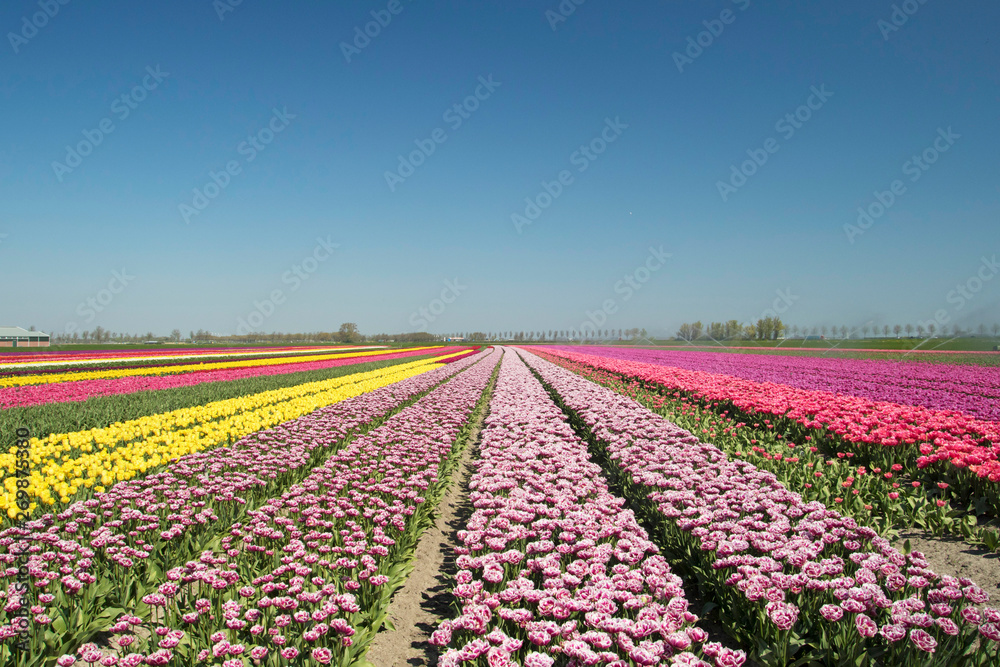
(551, 335)
(771, 328)
(766, 328)
(348, 334)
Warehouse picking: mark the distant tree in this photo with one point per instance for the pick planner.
(763, 328)
(348, 333)
(920, 330)
(175, 335)
(909, 329)
(981, 330)
(843, 331)
(696, 330)
(995, 328)
(885, 330)
(684, 332)
(897, 330)
(865, 329)
(931, 329)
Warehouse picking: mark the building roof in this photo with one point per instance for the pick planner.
(8, 332)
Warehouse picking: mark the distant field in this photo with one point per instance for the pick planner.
(977, 351)
(984, 344)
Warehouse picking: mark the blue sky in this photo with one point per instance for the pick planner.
(224, 82)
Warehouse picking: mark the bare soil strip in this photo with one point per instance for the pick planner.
(425, 600)
(952, 555)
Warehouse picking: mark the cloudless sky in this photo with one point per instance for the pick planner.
(345, 124)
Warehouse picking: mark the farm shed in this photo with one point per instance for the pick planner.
(18, 337)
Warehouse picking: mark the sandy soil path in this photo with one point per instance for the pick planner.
(424, 600)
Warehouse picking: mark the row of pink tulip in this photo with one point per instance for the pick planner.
(954, 438)
(106, 548)
(81, 390)
(308, 576)
(552, 568)
(970, 389)
(777, 562)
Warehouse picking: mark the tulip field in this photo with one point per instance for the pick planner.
(622, 506)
